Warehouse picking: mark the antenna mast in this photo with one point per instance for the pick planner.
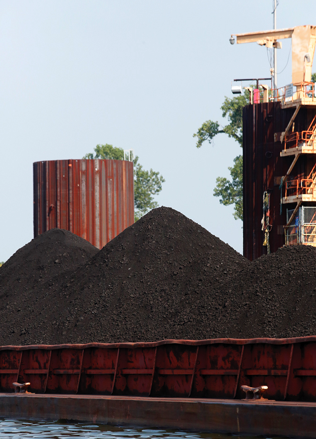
(275, 49)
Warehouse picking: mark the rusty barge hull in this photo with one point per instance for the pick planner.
(269, 418)
(176, 384)
(211, 369)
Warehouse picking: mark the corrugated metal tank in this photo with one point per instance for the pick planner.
(263, 168)
(92, 198)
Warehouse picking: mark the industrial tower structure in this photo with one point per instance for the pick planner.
(279, 147)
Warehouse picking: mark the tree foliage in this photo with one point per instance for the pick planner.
(232, 109)
(147, 184)
(231, 192)
(106, 151)
(228, 191)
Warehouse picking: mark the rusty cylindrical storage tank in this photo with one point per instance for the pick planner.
(92, 198)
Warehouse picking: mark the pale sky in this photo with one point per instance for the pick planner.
(138, 74)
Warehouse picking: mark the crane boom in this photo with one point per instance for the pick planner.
(303, 47)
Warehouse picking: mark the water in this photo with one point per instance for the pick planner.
(15, 429)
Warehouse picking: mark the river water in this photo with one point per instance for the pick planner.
(15, 429)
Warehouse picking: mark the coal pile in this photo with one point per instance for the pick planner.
(164, 277)
(52, 253)
(153, 281)
(275, 296)
(24, 277)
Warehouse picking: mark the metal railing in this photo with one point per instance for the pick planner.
(290, 93)
(304, 234)
(298, 187)
(309, 234)
(306, 138)
(293, 140)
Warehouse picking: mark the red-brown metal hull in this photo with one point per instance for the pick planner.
(92, 198)
(172, 368)
(268, 418)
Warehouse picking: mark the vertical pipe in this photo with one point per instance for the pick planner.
(274, 49)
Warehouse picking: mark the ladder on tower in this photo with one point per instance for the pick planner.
(312, 129)
(311, 177)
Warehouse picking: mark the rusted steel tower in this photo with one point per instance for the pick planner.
(280, 152)
(92, 198)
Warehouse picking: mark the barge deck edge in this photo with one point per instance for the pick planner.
(272, 418)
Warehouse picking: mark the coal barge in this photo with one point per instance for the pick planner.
(197, 385)
(194, 385)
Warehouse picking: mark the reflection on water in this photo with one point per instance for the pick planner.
(12, 429)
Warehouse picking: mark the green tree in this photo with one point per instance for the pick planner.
(228, 191)
(147, 184)
(231, 191)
